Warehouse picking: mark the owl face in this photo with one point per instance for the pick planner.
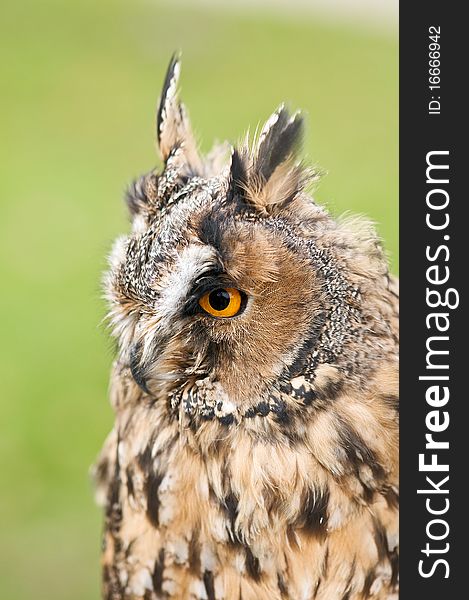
(231, 291)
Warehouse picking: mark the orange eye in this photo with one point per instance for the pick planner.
(222, 302)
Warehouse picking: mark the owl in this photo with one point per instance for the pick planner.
(254, 454)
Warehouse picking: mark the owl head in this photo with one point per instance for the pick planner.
(235, 295)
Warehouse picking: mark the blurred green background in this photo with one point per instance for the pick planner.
(79, 82)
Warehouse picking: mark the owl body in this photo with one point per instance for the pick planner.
(254, 453)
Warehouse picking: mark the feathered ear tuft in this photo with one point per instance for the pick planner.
(172, 122)
(268, 175)
(278, 141)
(238, 173)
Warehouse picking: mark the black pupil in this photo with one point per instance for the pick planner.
(219, 299)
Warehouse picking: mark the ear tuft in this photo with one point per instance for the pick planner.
(168, 96)
(279, 139)
(268, 176)
(238, 173)
(172, 122)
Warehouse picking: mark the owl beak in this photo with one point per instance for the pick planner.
(137, 369)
